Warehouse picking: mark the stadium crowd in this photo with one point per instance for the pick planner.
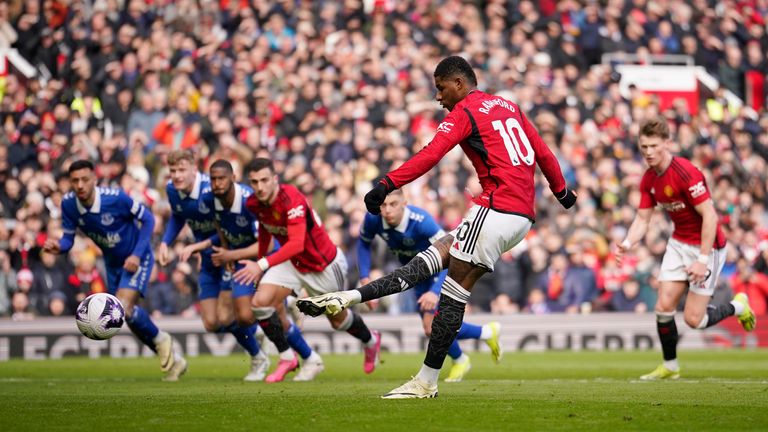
(338, 92)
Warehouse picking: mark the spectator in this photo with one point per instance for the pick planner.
(628, 298)
(51, 278)
(579, 284)
(85, 279)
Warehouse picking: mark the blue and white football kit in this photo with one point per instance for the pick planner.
(196, 210)
(121, 227)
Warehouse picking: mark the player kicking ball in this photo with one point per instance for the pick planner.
(122, 228)
(407, 231)
(306, 259)
(504, 149)
(696, 252)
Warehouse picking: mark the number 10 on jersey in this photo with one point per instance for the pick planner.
(512, 141)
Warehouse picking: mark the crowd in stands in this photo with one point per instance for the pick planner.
(339, 92)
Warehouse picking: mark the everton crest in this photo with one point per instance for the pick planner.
(107, 219)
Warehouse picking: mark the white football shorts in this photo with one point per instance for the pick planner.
(333, 278)
(485, 234)
(679, 256)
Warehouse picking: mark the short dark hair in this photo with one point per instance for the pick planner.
(80, 164)
(221, 163)
(455, 65)
(259, 164)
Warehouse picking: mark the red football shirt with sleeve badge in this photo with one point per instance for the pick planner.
(503, 147)
(289, 211)
(678, 190)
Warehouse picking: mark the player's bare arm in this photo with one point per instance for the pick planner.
(636, 233)
(698, 270)
(188, 250)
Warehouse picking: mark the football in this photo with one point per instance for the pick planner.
(100, 316)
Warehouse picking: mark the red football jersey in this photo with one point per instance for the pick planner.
(678, 190)
(291, 208)
(503, 147)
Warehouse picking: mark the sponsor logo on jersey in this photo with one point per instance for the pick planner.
(672, 206)
(109, 241)
(107, 219)
(404, 252)
(275, 230)
(698, 189)
(295, 212)
(445, 127)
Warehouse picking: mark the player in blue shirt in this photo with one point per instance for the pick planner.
(409, 230)
(191, 198)
(122, 228)
(239, 229)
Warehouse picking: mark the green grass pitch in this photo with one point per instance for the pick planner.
(724, 390)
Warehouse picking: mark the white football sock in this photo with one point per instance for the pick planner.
(738, 308)
(672, 365)
(353, 296)
(486, 333)
(428, 375)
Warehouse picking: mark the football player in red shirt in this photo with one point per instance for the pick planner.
(504, 148)
(696, 252)
(306, 259)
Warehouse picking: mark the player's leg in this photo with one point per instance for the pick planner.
(293, 333)
(461, 362)
(420, 268)
(333, 279)
(275, 285)
(312, 364)
(700, 314)
(670, 293)
(480, 240)
(130, 287)
(243, 327)
(489, 333)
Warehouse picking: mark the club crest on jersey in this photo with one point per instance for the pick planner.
(202, 208)
(385, 236)
(178, 207)
(668, 191)
(107, 219)
(80, 221)
(241, 221)
(445, 127)
(408, 241)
